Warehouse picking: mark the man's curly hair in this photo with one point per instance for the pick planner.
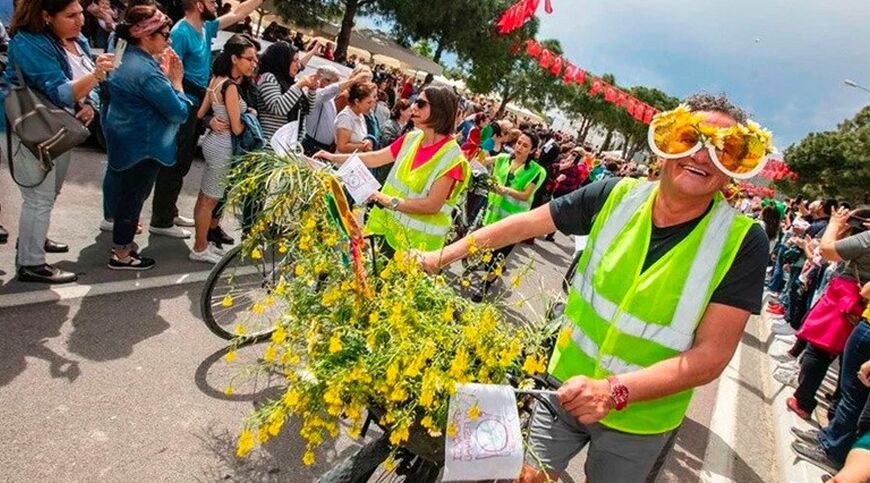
(709, 102)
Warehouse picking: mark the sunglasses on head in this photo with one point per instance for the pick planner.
(421, 103)
(740, 151)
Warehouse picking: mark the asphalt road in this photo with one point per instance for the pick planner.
(117, 379)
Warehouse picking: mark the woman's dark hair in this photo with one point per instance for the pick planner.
(223, 63)
(533, 138)
(771, 219)
(133, 16)
(399, 108)
(276, 61)
(443, 105)
(28, 14)
(360, 91)
(496, 128)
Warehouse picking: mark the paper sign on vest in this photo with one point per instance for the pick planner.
(358, 180)
(487, 443)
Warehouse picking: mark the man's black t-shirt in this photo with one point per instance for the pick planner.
(743, 284)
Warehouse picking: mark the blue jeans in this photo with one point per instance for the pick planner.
(777, 278)
(111, 192)
(839, 435)
(134, 186)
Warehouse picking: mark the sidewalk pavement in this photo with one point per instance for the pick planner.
(793, 468)
(75, 221)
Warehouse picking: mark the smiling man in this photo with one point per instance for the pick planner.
(663, 291)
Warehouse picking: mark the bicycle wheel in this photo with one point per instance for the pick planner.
(232, 289)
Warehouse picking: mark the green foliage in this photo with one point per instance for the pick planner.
(832, 163)
(308, 13)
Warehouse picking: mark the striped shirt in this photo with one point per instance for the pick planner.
(273, 106)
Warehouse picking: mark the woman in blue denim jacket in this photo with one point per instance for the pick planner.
(145, 109)
(54, 59)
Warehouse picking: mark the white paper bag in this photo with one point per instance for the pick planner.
(358, 180)
(285, 138)
(488, 446)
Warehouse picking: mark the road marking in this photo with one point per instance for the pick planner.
(718, 462)
(69, 292)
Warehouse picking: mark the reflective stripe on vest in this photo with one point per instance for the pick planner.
(679, 334)
(623, 318)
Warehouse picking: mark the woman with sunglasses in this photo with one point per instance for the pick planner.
(660, 298)
(146, 108)
(428, 175)
(232, 69)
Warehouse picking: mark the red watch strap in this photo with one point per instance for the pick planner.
(618, 393)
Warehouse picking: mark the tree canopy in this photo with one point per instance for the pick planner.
(832, 163)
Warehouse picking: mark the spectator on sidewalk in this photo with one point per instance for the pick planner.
(829, 447)
(146, 109)
(320, 122)
(191, 39)
(281, 97)
(55, 60)
(233, 68)
(398, 123)
(350, 124)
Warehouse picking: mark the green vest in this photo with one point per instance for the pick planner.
(404, 230)
(621, 320)
(502, 206)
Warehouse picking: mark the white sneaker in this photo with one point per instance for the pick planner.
(216, 249)
(209, 255)
(788, 339)
(183, 221)
(172, 232)
(106, 225)
(792, 365)
(782, 329)
(786, 377)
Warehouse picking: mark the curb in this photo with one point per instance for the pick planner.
(792, 468)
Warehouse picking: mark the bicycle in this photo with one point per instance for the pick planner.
(422, 458)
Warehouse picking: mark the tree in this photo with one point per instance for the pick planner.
(832, 163)
(449, 24)
(310, 13)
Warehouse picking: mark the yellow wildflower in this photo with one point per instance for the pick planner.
(228, 391)
(335, 344)
(308, 458)
(246, 443)
(516, 281)
(240, 330)
(451, 429)
(255, 254)
(231, 356)
(275, 425)
(374, 317)
(473, 412)
(270, 353)
(310, 224)
(299, 270)
(390, 464)
(321, 267)
(530, 365)
(282, 248)
(291, 398)
(487, 257)
(279, 335)
(392, 373)
(465, 283)
(399, 435)
(227, 301)
(447, 316)
(257, 308)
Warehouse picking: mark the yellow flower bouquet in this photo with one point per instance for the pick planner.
(387, 339)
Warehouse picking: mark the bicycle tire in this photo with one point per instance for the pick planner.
(210, 299)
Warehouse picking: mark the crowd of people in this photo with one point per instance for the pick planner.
(437, 153)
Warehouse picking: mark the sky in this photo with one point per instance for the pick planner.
(784, 61)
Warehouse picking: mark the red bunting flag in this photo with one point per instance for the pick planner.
(556, 67)
(580, 76)
(609, 93)
(597, 86)
(570, 71)
(545, 60)
(648, 115)
(518, 14)
(629, 104)
(621, 97)
(533, 48)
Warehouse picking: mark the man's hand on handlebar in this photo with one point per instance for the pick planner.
(325, 155)
(586, 399)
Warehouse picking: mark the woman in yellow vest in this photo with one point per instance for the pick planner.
(518, 177)
(428, 177)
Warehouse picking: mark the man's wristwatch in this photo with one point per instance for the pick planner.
(618, 393)
(394, 203)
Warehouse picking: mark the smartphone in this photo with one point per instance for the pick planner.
(120, 47)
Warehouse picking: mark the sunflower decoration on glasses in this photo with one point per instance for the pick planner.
(740, 151)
